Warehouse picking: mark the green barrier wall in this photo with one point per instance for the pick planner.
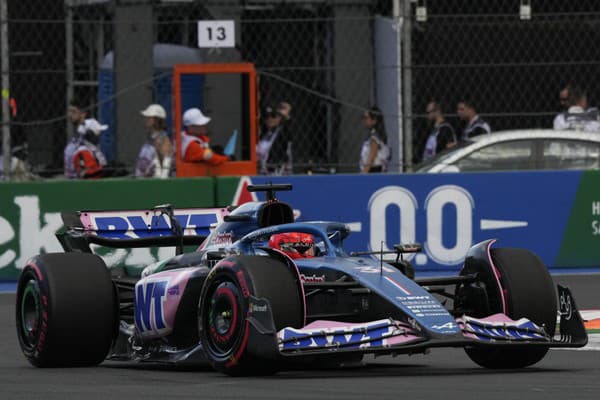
(555, 214)
(581, 239)
(30, 212)
(226, 188)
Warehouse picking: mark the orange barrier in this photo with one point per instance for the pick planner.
(593, 325)
(241, 167)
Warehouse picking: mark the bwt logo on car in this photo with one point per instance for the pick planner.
(142, 225)
(149, 298)
(367, 335)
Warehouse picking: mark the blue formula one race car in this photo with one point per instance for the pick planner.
(264, 293)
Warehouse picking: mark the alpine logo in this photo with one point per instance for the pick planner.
(447, 325)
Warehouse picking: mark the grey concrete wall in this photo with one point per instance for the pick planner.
(353, 60)
(388, 79)
(133, 76)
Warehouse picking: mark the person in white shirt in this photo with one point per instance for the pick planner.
(579, 116)
(375, 152)
(155, 159)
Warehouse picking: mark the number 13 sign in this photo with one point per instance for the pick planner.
(216, 33)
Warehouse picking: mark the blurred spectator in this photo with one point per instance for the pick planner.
(442, 135)
(195, 143)
(475, 125)
(578, 116)
(77, 117)
(18, 166)
(19, 169)
(375, 153)
(563, 97)
(13, 166)
(274, 147)
(88, 159)
(285, 110)
(156, 155)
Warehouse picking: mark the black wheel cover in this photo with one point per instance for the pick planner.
(518, 269)
(66, 310)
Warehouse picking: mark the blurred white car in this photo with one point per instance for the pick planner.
(531, 149)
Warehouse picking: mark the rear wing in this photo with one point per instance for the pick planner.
(161, 226)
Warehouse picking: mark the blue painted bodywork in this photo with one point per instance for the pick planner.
(381, 278)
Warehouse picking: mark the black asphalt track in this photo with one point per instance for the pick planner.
(443, 374)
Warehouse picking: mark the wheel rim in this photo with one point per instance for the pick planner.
(224, 319)
(30, 314)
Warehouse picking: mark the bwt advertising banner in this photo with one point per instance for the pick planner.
(554, 214)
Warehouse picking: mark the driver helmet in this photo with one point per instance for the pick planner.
(294, 244)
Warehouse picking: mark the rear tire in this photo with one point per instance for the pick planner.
(66, 310)
(224, 305)
(529, 292)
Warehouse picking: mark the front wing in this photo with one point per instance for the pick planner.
(385, 336)
(389, 336)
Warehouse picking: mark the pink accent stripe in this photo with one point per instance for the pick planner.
(399, 286)
(502, 318)
(302, 294)
(324, 324)
(37, 270)
(86, 221)
(497, 275)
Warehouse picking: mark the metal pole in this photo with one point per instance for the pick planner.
(69, 61)
(5, 87)
(407, 84)
(398, 20)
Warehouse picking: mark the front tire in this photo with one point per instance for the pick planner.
(529, 292)
(65, 310)
(224, 305)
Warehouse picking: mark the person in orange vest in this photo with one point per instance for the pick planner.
(88, 159)
(77, 117)
(195, 143)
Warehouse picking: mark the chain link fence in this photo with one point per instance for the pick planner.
(329, 59)
(512, 65)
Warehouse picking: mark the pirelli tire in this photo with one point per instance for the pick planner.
(529, 292)
(224, 305)
(66, 310)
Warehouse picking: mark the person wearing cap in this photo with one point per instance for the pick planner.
(155, 156)
(195, 143)
(88, 160)
(274, 147)
(77, 117)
